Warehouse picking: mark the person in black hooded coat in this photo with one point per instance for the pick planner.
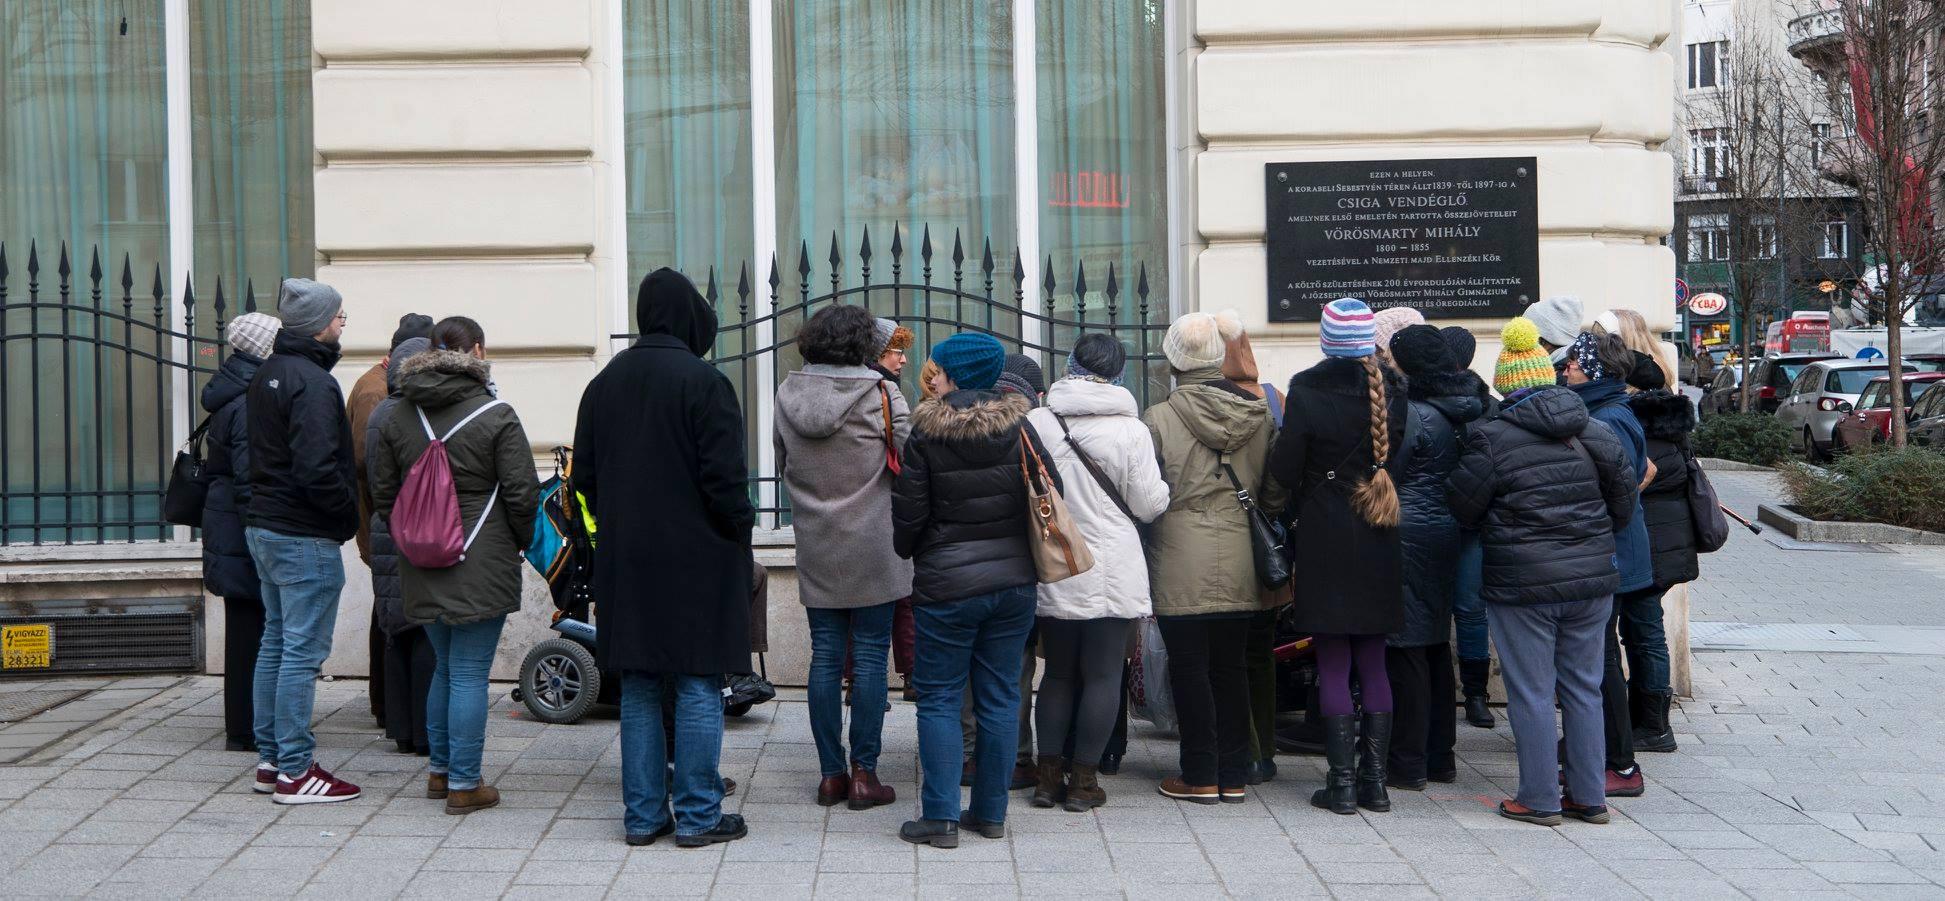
(1418, 657)
(405, 653)
(1667, 419)
(658, 455)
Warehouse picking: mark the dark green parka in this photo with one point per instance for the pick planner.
(491, 450)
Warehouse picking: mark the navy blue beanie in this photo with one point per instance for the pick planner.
(971, 359)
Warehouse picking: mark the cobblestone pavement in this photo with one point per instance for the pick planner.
(1800, 774)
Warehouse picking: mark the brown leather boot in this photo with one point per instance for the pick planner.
(1049, 781)
(1084, 792)
(833, 789)
(467, 800)
(866, 792)
(435, 786)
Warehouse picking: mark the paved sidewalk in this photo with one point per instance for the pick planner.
(1800, 774)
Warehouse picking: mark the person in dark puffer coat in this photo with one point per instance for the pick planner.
(228, 571)
(408, 660)
(959, 511)
(1547, 487)
(1418, 658)
(1667, 419)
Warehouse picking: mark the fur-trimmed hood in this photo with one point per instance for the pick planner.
(1663, 416)
(968, 415)
(441, 378)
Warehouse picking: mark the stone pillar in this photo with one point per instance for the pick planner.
(1583, 85)
(463, 169)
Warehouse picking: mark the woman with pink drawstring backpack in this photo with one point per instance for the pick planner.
(452, 472)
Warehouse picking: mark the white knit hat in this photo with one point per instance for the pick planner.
(1194, 342)
(253, 333)
(1559, 319)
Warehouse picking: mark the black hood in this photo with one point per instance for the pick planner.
(230, 382)
(1549, 412)
(324, 355)
(1460, 395)
(1663, 416)
(669, 304)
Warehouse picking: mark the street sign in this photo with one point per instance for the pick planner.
(1707, 303)
(1681, 292)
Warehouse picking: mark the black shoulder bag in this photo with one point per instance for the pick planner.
(182, 502)
(1267, 537)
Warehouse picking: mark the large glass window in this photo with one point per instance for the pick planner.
(250, 105)
(894, 111)
(687, 97)
(1103, 150)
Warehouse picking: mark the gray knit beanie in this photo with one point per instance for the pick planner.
(1559, 319)
(307, 307)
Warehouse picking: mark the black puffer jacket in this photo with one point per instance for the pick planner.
(228, 571)
(1546, 517)
(1667, 419)
(959, 507)
(303, 478)
(1441, 406)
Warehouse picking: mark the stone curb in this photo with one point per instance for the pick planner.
(1717, 464)
(1803, 528)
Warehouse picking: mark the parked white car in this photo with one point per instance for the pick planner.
(1821, 394)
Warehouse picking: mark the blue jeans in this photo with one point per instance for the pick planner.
(1549, 653)
(977, 642)
(1646, 640)
(645, 788)
(455, 706)
(1468, 606)
(869, 629)
(301, 579)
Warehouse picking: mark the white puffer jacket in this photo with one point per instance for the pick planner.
(1104, 421)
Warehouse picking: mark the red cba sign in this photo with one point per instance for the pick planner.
(1707, 304)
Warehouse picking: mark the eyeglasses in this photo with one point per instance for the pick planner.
(342, 318)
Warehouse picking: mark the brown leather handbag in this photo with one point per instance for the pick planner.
(1059, 551)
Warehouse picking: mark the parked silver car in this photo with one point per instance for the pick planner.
(1821, 394)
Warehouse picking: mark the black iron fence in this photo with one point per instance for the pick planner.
(97, 380)
(935, 293)
(100, 369)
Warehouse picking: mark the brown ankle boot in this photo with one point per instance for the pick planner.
(866, 792)
(467, 800)
(1083, 791)
(1049, 776)
(832, 789)
(435, 786)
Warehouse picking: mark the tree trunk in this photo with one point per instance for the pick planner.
(1894, 355)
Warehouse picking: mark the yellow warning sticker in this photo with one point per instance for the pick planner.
(28, 646)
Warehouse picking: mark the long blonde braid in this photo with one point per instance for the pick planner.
(1376, 498)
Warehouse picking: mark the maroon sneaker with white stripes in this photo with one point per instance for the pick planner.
(316, 786)
(266, 778)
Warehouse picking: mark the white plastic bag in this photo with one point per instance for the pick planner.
(1151, 698)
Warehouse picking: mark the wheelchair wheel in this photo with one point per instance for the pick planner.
(559, 681)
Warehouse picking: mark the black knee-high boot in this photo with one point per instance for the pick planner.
(1374, 753)
(1339, 794)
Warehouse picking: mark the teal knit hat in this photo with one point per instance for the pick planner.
(971, 359)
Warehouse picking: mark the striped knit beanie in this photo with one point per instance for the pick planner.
(1349, 329)
(1522, 364)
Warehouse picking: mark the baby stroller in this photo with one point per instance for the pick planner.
(559, 681)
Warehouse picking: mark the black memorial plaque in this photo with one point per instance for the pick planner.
(1450, 238)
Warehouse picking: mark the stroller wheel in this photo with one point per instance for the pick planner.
(559, 681)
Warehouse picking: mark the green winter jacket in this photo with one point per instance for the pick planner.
(1199, 556)
(491, 450)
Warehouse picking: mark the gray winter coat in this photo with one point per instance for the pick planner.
(830, 437)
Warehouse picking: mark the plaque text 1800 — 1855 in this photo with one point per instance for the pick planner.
(1451, 238)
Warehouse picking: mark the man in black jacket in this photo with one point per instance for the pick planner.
(1546, 487)
(302, 508)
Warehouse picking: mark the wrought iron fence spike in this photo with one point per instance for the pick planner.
(219, 306)
(837, 257)
(925, 247)
(803, 260)
(986, 257)
(775, 278)
(864, 249)
(1080, 286)
(897, 246)
(958, 250)
(3, 262)
(62, 267)
(1141, 291)
(94, 264)
(249, 295)
(188, 303)
(33, 264)
(711, 295)
(743, 279)
(128, 276)
(160, 292)
(1112, 289)
(1047, 276)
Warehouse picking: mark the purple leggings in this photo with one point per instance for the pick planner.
(1335, 654)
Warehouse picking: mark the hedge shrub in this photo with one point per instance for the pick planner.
(1755, 438)
(1899, 486)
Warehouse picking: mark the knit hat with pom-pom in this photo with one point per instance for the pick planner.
(1194, 342)
(1522, 364)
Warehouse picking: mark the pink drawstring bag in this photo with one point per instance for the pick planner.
(425, 517)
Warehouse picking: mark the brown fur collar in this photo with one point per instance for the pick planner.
(966, 415)
(449, 361)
